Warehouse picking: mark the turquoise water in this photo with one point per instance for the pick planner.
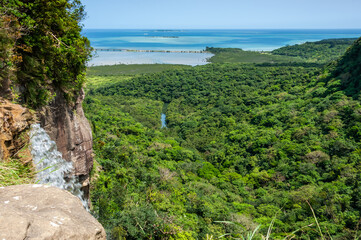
(199, 39)
(176, 40)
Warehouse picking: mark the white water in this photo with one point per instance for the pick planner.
(51, 168)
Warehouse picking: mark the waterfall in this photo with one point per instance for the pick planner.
(51, 168)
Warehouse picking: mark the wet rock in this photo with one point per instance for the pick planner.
(67, 126)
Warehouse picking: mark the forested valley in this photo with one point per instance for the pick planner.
(270, 146)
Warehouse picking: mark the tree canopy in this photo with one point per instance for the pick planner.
(245, 143)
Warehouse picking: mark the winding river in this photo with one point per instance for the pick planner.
(162, 119)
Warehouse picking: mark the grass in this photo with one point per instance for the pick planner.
(103, 75)
(14, 172)
(18, 169)
(131, 69)
(97, 81)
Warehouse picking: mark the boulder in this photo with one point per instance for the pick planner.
(37, 212)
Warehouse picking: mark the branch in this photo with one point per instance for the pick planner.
(59, 41)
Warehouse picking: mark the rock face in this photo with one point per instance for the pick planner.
(14, 119)
(39, 212)
(68, 127)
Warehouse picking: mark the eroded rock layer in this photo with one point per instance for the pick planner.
(14, 121)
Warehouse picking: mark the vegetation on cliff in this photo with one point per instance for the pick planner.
(43, 52)
(15, 157)
(245, 143)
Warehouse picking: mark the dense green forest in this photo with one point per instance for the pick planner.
(236, 55)
(252, 139)
(246, 145)
(320, 52)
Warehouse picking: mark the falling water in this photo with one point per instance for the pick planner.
(51, 168)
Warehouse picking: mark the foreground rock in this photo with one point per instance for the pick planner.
(37, 212)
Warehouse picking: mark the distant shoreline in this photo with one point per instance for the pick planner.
(192, 58)
(163, 36)
(144, 50)
(195, 41)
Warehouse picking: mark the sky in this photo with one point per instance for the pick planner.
(222, 14)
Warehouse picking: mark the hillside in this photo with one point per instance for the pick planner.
(245, 143)
(236, 55)
(347, 70)
(319, 52)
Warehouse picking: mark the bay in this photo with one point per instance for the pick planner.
(195, 40)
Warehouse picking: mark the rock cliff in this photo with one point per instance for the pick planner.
(42, 55)
(67, 126)
(14, 121)
(37, 212)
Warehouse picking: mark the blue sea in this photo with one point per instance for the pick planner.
(195, 40)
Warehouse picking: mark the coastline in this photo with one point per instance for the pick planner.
(187, 47)
(147, 50)
(150, 57)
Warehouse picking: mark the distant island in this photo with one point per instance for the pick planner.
(164, 36)
(167, 30)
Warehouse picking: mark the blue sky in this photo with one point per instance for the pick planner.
(220, 14)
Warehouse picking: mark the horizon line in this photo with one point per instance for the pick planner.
(222, 28)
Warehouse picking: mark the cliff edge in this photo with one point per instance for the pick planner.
(68, 127)
(42, 68)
